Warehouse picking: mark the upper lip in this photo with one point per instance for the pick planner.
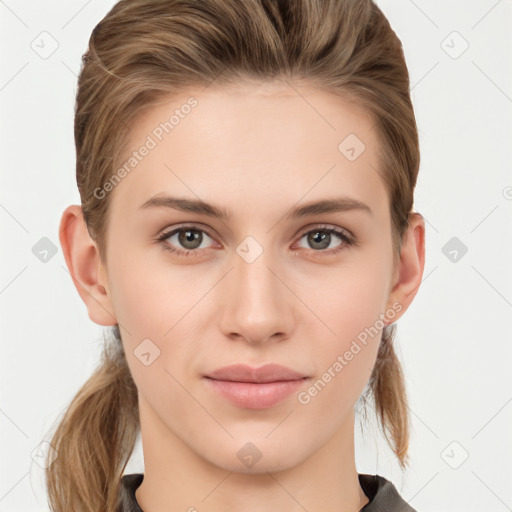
(245, 373)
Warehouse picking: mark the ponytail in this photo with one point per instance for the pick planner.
(388, 388)
(95, 438)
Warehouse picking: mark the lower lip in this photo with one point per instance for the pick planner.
(253, 395)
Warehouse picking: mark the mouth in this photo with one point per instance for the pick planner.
(245, 373)
(255, 388)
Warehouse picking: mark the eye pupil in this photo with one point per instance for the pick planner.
(190, 236)
(323, 239)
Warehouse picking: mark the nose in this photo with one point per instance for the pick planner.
(258, 303)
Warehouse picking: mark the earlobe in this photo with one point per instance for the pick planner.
(83, 261)
(411, 264)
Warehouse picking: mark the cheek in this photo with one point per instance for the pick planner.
(146, 298)
(349, 298)
(152, 305)
(345, 357)
(332, 394)
(350, 304)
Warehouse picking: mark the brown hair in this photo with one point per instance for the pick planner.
(143, 52)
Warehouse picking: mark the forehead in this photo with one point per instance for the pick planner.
(255, 146)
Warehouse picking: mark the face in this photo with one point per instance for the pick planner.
(270, 282)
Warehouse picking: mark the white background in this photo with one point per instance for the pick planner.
(455, 340)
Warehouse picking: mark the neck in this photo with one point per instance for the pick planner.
(177, 478)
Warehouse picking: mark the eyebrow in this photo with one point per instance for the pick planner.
(338, 204)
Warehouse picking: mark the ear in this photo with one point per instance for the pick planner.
(408, 275)
(84, 264)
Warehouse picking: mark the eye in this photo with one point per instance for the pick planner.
(187, 239)
(322, 237)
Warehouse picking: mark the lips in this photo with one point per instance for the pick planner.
(255, 388)
(266, 373)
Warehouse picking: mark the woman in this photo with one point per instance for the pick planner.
(246, 173)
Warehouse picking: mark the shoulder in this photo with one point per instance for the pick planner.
(382, 494)
(129, 484)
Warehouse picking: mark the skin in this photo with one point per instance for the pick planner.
(258, 151)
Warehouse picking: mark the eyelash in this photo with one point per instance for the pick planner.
(346, 239)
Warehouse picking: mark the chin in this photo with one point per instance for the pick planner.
(259, 456)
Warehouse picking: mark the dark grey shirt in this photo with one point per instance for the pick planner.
(382, 494)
